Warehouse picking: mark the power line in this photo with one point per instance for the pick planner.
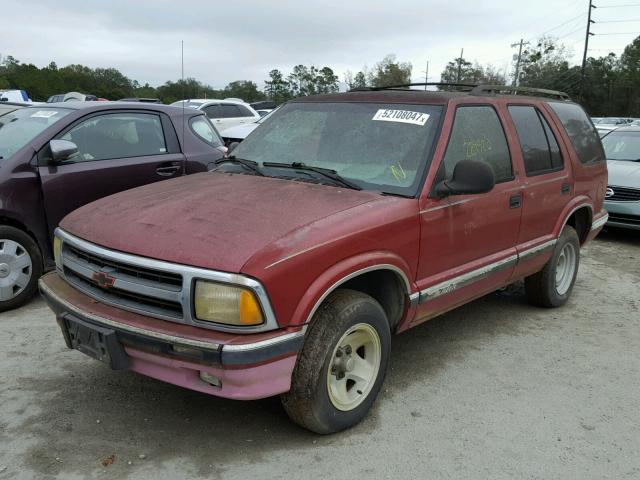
(621, 33)
(621, 6)
(619, 21)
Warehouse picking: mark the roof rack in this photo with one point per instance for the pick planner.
(505, 89)
(468, 86)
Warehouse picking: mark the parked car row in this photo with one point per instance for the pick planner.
(284, 270)
(58, 157)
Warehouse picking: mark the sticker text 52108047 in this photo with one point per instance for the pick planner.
(401, 116)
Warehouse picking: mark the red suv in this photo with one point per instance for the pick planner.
(344, 219)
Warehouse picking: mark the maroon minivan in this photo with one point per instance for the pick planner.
(58, 157)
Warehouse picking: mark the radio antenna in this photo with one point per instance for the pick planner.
(182, 79)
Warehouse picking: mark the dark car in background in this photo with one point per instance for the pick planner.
(56, 158)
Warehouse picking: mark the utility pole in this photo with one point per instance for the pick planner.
(516, 77)
(586, 48)
(460, 66)
(426, 75)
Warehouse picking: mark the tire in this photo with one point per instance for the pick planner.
(318, 399)
(552, 286)
(20, 267)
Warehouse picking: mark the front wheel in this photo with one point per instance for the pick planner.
(552, 286)
(342, 364)
(20, 267)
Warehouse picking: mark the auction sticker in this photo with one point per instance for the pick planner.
(44, 114)
(401, 116)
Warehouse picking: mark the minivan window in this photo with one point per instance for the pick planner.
(230, 111)
(117, 135)
(582, 133)
(477, 134)
(19, 127)
(377, 146)
(244, 111)
(539, 147)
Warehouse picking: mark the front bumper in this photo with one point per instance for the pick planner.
(623, 214)
(247, 366)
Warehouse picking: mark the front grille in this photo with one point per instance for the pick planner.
(131, 287)
(624, 194)
(627, 219)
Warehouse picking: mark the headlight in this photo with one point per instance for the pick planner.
(230, 305)
(57, 252)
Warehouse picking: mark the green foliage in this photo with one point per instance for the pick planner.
(390, 72)
(302, 81)
(460, 70)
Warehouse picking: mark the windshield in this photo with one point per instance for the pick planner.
(622, 146)
(380, 147)
(21, 126)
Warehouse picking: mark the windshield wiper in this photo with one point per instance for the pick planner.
(325, 172)
(249, 164)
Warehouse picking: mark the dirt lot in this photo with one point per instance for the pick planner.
(496, 389)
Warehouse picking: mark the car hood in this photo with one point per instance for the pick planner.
(239, 131)
(623, 173)
(208, 220)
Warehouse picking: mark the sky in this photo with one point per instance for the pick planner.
(245, 39)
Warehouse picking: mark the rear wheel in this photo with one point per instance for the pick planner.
(20, 267)
(342, 364)
(552, 286)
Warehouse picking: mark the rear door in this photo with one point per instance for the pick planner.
(116, 151)
(547, 183)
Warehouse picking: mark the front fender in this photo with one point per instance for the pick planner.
(343, 271)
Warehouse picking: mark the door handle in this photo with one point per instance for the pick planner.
(168, 171)
(565, 189)
(515, 201)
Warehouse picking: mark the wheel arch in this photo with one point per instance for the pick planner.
(371, 274)
(579, 215)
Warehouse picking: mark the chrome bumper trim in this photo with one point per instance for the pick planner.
(600, 222)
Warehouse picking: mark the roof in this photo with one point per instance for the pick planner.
(627, 128)
(100, 106)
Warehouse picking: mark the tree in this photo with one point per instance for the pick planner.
(277, 88)
(357, 81)
(390, 72)
(244, 89)
(460, 70)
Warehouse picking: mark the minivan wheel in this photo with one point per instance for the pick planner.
(552, 286)
(20, 267)
(342, 364)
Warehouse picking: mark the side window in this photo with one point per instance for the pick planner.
(583, 135)
(540, 149)
(205, 131)
(213, 111)
(244, 111)
(477, 134)
(117, 135)
(230, 111)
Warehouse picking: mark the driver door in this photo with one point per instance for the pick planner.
(116, 152)
(468, 242)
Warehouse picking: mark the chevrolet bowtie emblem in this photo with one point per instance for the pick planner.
(104, 280)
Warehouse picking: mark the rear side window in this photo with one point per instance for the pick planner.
(205, 131)
(582, 133)
(540, 149)
(213, 111)
(230, 111)
(244, 111)
(477, 134)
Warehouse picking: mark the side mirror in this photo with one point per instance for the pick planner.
(469, 176)
(62, 149)
(231, 147)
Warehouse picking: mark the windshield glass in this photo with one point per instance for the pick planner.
(622, 146)
(380, 147)
(21, 126)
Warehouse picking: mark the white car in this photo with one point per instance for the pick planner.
(223, 113)
(240, 132)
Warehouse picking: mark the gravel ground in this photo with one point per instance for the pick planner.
(496, 389)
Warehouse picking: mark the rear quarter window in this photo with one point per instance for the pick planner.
(583, 135)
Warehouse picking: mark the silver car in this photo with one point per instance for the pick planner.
(622, 199)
